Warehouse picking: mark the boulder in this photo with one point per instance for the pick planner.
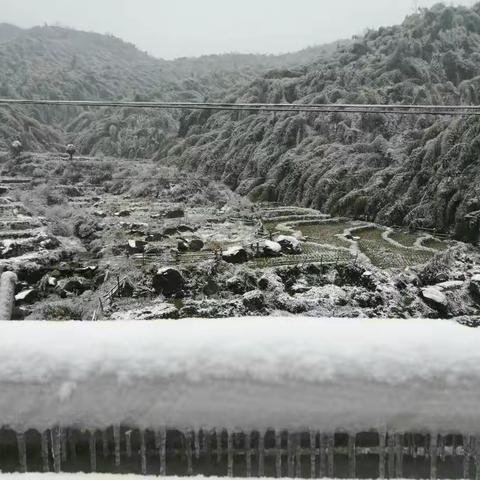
(169, 231)
(254, 301)
(272, 249)
(472, 321)
(75, 285)
(195, 244)
(168, 281)
(451, 285)
(435, 298)
(136, 246)
(122, 213)
(185, 228)
(289, 244)
(182, 245)
(100, 213)
(26, 297)
(174, 213)
(475, 285)
(235, 254)
(271, 282)
(154, 237)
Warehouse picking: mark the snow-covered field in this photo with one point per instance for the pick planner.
(243, 373)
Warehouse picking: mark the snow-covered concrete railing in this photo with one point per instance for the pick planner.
(259, 396)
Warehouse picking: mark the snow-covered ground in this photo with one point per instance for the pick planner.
(243, 373)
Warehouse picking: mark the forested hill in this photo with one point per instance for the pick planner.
(61, 63)
(421, 171)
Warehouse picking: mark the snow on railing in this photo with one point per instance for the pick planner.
(296, 397)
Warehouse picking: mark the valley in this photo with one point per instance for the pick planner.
(108, 238)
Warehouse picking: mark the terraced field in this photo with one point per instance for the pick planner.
(325, 232)
(384, 254)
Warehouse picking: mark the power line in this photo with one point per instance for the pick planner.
(450, 110)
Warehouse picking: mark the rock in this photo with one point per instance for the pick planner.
(236, 284)
(472, 321)
(174, 213)
(450, 285)
(300, 287)
(196, 244)
(235, 254)
(434, 297)
(182, 245)
(271, 282)
(185, 228)
(154, 237)
(122, 213)
(475, 285)
(75, 285)
(26, 296)
(153, 312)
(100, 213)
(289, 244)
(272, 249)
(170, 231)
(168, 281)
(136, 246)
(254, 300)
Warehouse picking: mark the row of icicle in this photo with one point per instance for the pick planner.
(390, 450)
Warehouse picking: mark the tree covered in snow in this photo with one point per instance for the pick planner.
(416, 170)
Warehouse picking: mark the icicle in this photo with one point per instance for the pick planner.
(56, 440)
(44, 449)
(143, 452)
(399, 455)
(298, 455)
(313, 453)
(382, 438)
(161, 444)
(72, 445)
(278, 453)
(207, 443)
(63, 437)
(22, 452)
(290, 455)
(351, 455)
(230, 453)
(105, 449)
(261, 454)
(128, 443)
(466, 456)
(204, 441)
(188, 451)
(322, 455)
(330, 454)
(433, 455)
(116, 443)
(218, 441)
(391, 454)
(196, 441)
(248, 454)
(92, 446)
(414, 446)
(477, 458)
(441, 447)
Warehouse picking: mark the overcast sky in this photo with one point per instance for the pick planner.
(176, 28)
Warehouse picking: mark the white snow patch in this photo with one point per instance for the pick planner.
(243, 373)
